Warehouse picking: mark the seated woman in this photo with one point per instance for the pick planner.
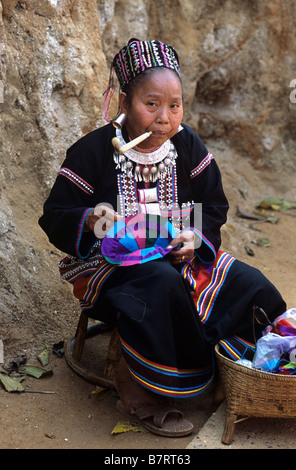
(171, 291)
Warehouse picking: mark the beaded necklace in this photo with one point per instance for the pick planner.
(147, 166)
(151, 166)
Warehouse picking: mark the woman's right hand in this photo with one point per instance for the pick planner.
(100, 220)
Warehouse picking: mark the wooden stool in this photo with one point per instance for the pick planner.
(74, 349)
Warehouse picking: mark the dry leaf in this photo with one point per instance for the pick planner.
(277, 204)
(122, 426)
(100, 393)
(34, 371)
(11, 385)
(43, 357)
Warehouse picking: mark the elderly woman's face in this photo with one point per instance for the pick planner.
(155, 105)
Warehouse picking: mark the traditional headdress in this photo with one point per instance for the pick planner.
(136, 57)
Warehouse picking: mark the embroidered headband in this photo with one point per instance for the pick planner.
(136, 57)
(139, 56)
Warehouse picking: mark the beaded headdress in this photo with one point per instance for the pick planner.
(136, 57)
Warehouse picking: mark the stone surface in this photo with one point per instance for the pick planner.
(251, 433)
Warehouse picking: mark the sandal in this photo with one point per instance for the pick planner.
(159, 419)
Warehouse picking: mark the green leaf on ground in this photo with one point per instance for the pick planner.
(122, 427)
(277, 204)
(10, 384)
(43, 357)
(34, 371)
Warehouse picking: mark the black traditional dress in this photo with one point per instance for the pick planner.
(169, 317)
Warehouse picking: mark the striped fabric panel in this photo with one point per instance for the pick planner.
(202, 165)
(199, 234)
(206, 299)
(177, 212)
(156, 377)
(81, 183)
(187, 272)
(237, 348)
(95, 285)
(172, 391)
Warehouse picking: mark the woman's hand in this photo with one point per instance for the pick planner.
(186, 238)
(100, 220)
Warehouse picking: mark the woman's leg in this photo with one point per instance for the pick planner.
(161, 333)
(132, 395)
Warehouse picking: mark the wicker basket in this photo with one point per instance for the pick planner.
(254, 393)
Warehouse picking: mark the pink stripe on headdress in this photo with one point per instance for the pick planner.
(164, 55)
(130, 60)
(123, 68)
(140, 56)
(108, 95)
(149, 63)
(153, 55)
(143, 55)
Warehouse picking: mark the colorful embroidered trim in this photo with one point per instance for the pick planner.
(139, 56)
(87, 188)
(172, 391)
(72, 268)
(79, 235)
(204, 240)
(187, 272)
(167, 190)
(238, 348)
(95, 284)
(159, 378)
(178, 212)
(127, 195)
(203, 164)
(206, 299)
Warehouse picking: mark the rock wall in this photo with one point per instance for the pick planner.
(54, 72)
(237, 61)
(237, 64)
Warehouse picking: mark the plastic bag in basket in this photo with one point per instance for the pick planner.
(284, 325)
(271, 349)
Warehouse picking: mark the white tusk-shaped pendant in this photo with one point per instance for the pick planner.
(116, 142)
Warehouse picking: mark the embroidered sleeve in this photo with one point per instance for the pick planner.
(201, 166)
(205, 183)
(77, 180)
(205, 250)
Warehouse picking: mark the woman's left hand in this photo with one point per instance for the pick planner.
(183, 254)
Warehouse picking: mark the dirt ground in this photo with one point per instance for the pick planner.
(73, 418)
